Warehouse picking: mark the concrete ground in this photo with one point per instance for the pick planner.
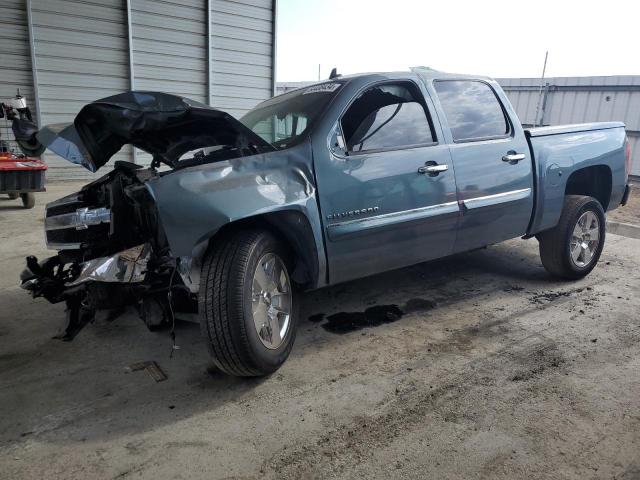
(494, 371)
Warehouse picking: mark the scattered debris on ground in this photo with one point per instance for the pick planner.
(151, 367)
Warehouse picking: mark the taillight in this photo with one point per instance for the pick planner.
(627, 158)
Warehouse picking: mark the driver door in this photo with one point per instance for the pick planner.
(387, 190)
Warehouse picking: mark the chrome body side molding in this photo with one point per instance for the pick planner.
(486, 201)
(350, 228)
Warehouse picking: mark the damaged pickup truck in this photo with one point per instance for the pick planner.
(332, 182)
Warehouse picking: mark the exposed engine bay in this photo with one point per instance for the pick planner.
(140, 236)
(112, 253)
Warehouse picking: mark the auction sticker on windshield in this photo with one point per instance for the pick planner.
(323, 87)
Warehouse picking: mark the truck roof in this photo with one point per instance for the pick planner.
(425, 72)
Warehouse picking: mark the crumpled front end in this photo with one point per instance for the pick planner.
(112, 253)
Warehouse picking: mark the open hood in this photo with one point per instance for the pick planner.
(166, 126)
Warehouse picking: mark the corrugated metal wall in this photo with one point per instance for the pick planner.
(15, 58)
(81, 55)
(580, 99)
(241, 54)
(89, 49)
(169, 46)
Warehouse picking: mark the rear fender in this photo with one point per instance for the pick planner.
(560, 157)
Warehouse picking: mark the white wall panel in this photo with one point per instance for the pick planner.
(170, 47)
(85, 51)
(81, 55)
(242, 54)
(15, 59)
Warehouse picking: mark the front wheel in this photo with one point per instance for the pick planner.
(572, 248)
(247, 304)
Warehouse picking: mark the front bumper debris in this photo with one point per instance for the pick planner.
(101, 283)
(51, 280)
(129, 266)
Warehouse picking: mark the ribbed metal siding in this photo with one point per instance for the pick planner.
(15, 58)
(82, 55)
(634, 142)
(170, 49)
(581, 99)
(82, 52)
(241, 54)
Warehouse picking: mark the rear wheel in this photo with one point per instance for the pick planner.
(247, 303)
(28, 200)
(572, 249)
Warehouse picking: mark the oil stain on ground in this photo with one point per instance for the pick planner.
(345, 322)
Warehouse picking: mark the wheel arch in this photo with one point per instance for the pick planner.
(593, 181)
(291, 227)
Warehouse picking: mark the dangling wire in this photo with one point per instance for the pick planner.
(173, 317)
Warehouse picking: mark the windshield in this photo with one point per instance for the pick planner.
(284, 119)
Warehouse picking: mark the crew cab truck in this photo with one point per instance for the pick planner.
(331, 182)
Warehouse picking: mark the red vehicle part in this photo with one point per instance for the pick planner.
(19, 174)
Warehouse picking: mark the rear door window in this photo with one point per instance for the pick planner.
(472, 109)
(387, 116)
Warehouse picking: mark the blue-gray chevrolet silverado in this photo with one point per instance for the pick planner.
(331, 182)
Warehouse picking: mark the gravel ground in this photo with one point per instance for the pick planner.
(475, 366)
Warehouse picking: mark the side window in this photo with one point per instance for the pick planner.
(386, 116)
(472, 109)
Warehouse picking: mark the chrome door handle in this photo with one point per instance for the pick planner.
(513, 157)
(433, 170)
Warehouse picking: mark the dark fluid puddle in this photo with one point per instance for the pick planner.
(345, 322)
(317, 318)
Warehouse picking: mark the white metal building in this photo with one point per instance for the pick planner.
(65, 53)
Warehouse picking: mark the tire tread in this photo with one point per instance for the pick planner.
(221, 294)
(552, 243)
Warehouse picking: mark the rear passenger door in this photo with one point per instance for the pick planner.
(387, 189)
(492, 162)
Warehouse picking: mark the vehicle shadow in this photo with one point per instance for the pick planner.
(60, 388)
(7, 203)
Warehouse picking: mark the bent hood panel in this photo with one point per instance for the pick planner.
(164, 125)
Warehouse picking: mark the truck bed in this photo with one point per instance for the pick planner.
(565, 150)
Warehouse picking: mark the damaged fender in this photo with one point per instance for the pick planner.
(195, 203)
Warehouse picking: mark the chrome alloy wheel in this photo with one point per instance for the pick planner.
(585, 239)
(271, 300)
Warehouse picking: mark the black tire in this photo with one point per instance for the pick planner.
(13, 196)
(555, 244)
(28, 200)
(225, 304)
